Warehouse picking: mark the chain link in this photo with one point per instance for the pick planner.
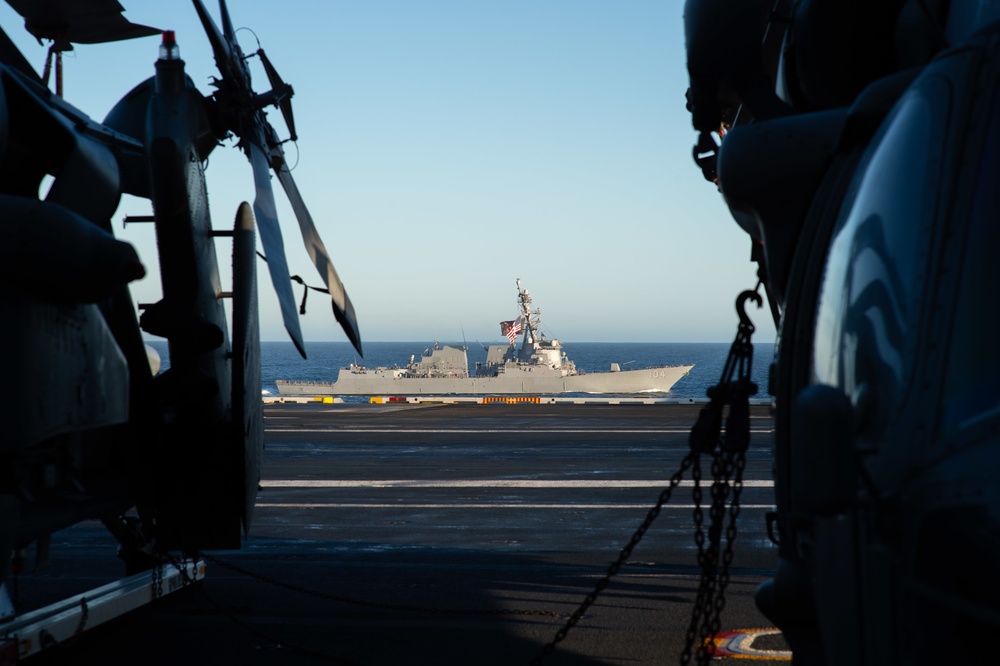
(728, 463)
(157, 580)
(699, 539)
(616, 566)
(84, 616)
(731, 531)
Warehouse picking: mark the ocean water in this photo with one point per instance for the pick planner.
(279, 360)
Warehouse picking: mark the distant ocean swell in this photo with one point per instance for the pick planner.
(279, 360)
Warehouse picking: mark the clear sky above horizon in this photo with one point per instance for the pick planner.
(448, 147)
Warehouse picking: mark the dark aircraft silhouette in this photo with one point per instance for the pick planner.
(88, 430)
(861, 153)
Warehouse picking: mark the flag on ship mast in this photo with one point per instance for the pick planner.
(510, 329)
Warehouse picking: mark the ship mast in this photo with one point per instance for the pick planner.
(529, 326)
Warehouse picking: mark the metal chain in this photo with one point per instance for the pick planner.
(728, 457)
(616, 566)
(699, 540)
(84, 616)
(732, 465)
(709, 616)
(48, 642)
(728, 463)
(702, 612)
(731, 531)
(157, 577)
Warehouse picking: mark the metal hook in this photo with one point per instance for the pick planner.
(741, 301)
(704, 154)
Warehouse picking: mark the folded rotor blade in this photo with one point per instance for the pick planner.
(71, 21)
(270, 238)
(220, 45)
(343, 309)
(282, 92)
(246, 120)
(227, 23)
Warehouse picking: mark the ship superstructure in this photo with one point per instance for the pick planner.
(538, 367)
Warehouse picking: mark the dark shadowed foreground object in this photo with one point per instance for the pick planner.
(857, 144)
(169, 462)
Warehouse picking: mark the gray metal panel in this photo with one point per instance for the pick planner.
(63, 371)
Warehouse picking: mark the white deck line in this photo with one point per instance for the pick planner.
(466, 505)
(511, 431)
(544, 400)
(493, 483)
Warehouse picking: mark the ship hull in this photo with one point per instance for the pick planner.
(659, 379)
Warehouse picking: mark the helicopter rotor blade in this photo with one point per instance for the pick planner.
(68, 22)
(240, 111)
(282, 93)
(343, 309)
(274, 248)
(227, 23)
(221, 47)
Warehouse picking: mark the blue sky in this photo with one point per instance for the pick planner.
(447, 148)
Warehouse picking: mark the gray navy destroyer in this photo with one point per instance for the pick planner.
(538, 367)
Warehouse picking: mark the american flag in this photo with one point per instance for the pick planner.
(511, 329)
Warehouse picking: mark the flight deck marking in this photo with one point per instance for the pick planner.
(504, 431)
(738, 644)
(461, 505)
(492, 483)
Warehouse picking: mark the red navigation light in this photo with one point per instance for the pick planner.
(168, 47)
